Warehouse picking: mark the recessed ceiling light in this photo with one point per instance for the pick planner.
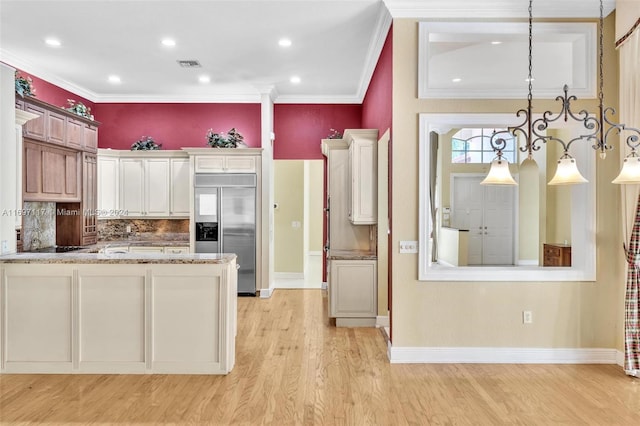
(456, 80)
(295, 79)
(114, 79)
(169, 42)
(284, 42)
(53, 42)
(204, 79)
(496, 42)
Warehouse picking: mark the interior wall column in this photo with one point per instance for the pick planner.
(8, 160)
(267, 138)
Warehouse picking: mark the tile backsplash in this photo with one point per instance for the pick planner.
(143, 229)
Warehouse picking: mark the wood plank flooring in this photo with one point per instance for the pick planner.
(294, 368)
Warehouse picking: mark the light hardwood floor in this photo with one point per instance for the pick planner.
(293, 368)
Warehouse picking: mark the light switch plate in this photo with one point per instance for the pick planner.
(408, 246)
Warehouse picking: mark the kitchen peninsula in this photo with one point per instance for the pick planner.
(118, 313)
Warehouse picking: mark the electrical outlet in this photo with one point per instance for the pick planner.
(128, 229)
(408, 246)
(527, 317)
(5, 246)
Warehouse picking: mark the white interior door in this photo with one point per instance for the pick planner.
(488, 213)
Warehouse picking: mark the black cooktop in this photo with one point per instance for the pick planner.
(58, 249)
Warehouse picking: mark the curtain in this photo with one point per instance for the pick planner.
(630, 115)
(433, 169)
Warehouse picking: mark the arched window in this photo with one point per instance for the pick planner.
(473, 146)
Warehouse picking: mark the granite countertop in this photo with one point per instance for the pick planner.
(134, 258)
(352, 255)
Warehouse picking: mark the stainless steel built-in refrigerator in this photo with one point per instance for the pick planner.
(225, 221)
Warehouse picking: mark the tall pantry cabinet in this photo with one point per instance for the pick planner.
(351, 231)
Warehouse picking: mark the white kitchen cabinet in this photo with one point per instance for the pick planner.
(176, 250)
(149, 184)
(353, 292)
(144, 187)
(363, 177)
(179, 194)
(146, 249)
(108, 190)
(226, 164)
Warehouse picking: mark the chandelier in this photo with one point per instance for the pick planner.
(597, 130)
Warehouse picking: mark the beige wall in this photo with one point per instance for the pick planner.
(297, 185)
(488, 314)
(315, 197)
(289, 195)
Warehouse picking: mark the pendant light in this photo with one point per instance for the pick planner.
(567, 172)
(499, 173)
(630, 173)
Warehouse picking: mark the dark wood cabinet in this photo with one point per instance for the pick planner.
(56, 128)
(59, 126)
(35, 129)
(90, 138)
(556, 255)
(51, 173)
(89, 198)
(75, 133)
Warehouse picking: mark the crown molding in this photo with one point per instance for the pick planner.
(17, 62)
(253, 98)
(318, 99)
(375, 48)
(442, 9)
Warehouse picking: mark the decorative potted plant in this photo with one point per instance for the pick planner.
(232, 139)
(79, 108)
(24, 86)
(334, 134)
(145, 143)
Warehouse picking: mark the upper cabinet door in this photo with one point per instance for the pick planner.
(56, 128)
(363, 178)
(180, 172)
(132, 186)
(35, 129)
(157, 183)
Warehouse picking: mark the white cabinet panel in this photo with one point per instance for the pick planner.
(143, 249)
(132, 186)
(38, 320)
(144, 187)
(108, 191)
(185, 313)
(226, 164)
(353, 289)
(363, 177)
(180, 174)
(112, 319)
(157, 184)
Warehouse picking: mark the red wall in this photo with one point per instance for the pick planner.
(376, 107)
(53, 94)
(299, 127)
(174, 125)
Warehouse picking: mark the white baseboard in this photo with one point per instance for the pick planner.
(324, 285)
(382, 321)
(288, 275)
(266, 293)
(620, 358)
(527, 262)
(461, 355)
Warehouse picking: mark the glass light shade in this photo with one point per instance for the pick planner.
(630, 172)
(567, 173)
(499, 174)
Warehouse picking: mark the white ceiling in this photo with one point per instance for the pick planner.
(335, 47)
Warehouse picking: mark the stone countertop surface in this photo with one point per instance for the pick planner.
(121, 258)
(352, 255)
